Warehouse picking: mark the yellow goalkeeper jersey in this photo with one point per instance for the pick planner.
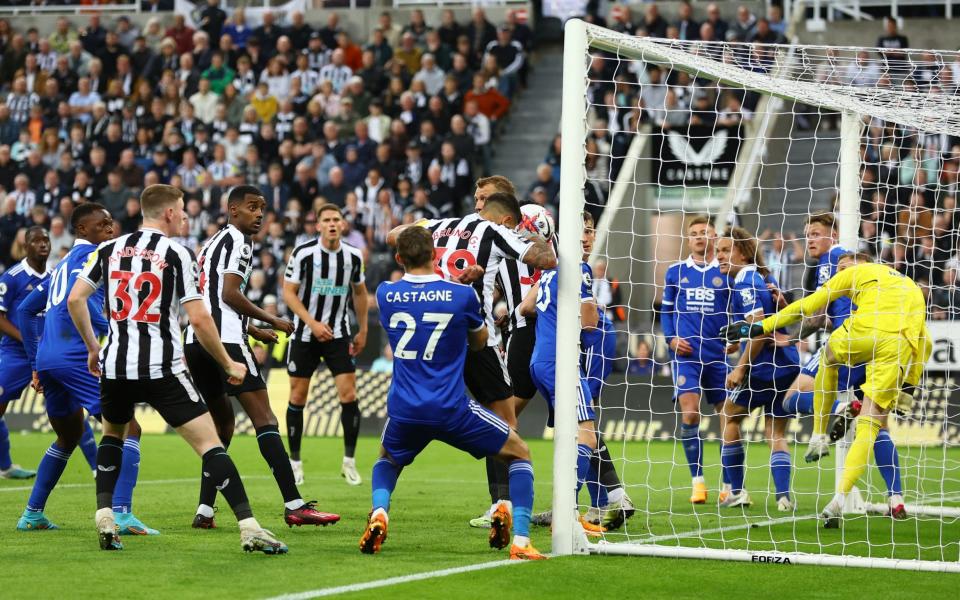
(885, 301)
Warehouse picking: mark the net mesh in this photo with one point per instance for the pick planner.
(750, 134)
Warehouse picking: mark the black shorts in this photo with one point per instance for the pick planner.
(175, 397)
(210, 377)
(519, 353)
(485, 373)
(303, 358)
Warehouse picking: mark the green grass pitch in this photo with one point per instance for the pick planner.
(428, 531)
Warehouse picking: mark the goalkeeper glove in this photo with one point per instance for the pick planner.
(740, 330)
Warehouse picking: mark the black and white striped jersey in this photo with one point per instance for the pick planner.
(226, 252)
(461, 242)
(515, 279)
(147, 277)
(326, 278)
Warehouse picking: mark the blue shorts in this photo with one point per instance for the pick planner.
(68, 389)
(473, 429)
(847, 377)
(768, 394)
(597, 362)
(544, 377)
(15, 376)
(707, 380)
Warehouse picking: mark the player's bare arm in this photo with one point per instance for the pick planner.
(528, 307)
(9, 329)
(395, 232)
(80, 313)
(477, 340)
(540, 255)
(589, 317)
(321, 331)
(267, 336)
(236, 300)
(208, 336)
(361, 300)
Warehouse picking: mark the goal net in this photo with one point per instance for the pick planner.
(656, 132)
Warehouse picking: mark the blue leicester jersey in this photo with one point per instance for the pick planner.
(427, 320)
(839, 309)
(545, 348)
(61, 343)
(695, 299)
(15, 284)
(751, 296)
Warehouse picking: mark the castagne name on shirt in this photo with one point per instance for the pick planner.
(420, 296)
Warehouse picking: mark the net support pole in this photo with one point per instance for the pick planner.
(573, 128)
(848, 215)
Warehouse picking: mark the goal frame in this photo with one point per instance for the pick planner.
(568, 537)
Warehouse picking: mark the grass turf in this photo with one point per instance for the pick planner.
(428, 531)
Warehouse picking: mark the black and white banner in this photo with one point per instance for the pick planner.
(696, 156)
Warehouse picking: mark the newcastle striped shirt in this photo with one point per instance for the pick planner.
(326, 278)
(227, 252)
(147, 277)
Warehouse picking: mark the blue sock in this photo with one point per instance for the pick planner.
(88, 445)
(692, 448)
(731, 457)
(521, 494)
(5, 461)
(888, 461)
(799, 403)
(584, 453)
(129, 470)
(383, 481)
(48, 474)
(780, 469)
(593, 486)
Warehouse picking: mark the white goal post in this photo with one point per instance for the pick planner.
(793, 77)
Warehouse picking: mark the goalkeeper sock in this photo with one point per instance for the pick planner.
(350, 421)
(731, 458)
(272, 451)
(824, 395)
(294, 429)
(129, 471)
(498, 480)
(780, 469)
(609, 480)
(220, 469)
(521, 490)
(692, 448)
(48, 474)
(593, 481)
(888, 461)
(584, 453)
(383, 481)
(5, 461)
(868, 429)
(109, 461)
(88, 445)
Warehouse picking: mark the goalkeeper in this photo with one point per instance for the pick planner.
(887, 332)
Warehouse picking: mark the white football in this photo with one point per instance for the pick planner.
(536, 220)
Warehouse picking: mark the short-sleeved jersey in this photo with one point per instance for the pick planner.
(147, 276)
(15, 284)
(839, 309)
(472, 240)
(326, 278)
(60, 342)
(515, 279)
(545, 349)
(750, 297)
(695, 299)
(427, 320)
(227, 252)
(594, 337)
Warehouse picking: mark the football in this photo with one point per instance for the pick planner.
(536, 221)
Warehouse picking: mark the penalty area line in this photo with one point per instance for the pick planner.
(390, 581)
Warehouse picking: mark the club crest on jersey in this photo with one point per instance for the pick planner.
(747, 296)
(681, 380)
(823, 274)
(717, 282)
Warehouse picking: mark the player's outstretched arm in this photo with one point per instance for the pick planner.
(240, 303)
(395, 233)
(540, 255)
(209, 338)
(589, 316)
(80, 314)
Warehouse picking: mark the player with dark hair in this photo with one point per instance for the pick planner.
(431, 323)
(225, 268)
(15, 283)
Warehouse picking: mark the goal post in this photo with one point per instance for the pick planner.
(803, 165)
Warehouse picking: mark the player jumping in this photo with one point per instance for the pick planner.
(224, 270)
(430, 323)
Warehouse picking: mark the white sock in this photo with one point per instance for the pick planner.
(296, 462)
(615, 495)
(383, 513)
(727, 487)
(349, 461)
(896, 499)
(206, 511)
(521, 541)
(248, 523)
(696, 480)
(294, 504)
(104, 514)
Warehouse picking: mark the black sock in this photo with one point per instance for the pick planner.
(109, 459)
(606, 470)
(208, 491)
(294, 429)
(219, 468)
(272, 450)
(498, 480)
(350, 420)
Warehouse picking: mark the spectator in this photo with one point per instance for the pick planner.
(181, 34)
(545, 180)
(408, 54)
(743, 26)
(687, 27)
(490, 102)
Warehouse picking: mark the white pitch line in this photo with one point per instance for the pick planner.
(370, 585)
(702, 532)
(59, 486)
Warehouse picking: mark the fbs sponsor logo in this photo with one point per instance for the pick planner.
(771, 559)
